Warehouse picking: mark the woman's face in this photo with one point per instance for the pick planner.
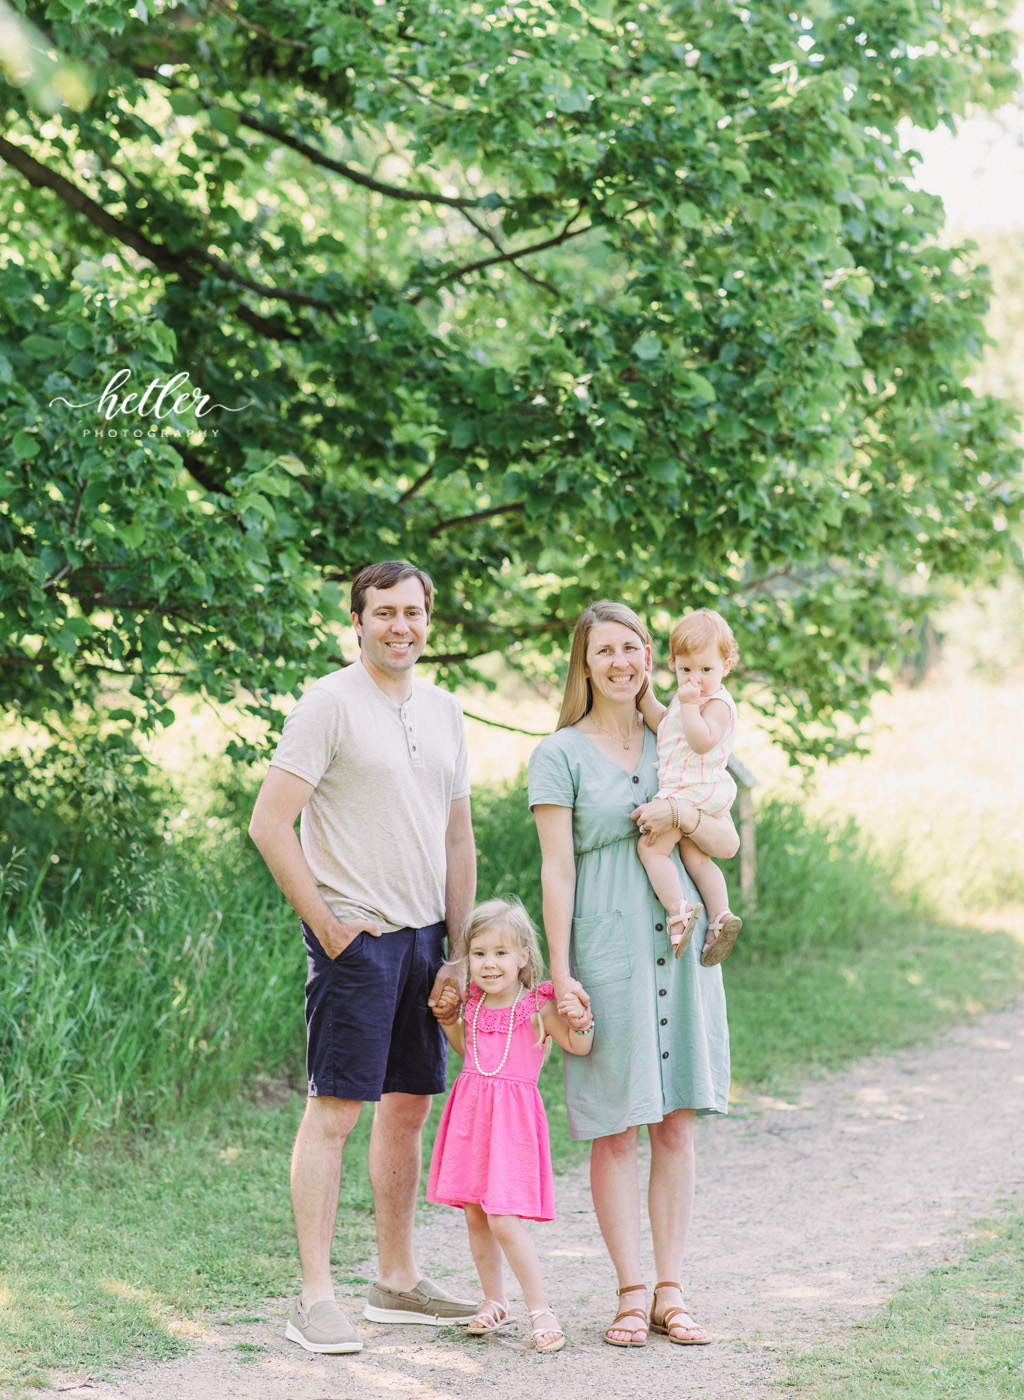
(616, 661)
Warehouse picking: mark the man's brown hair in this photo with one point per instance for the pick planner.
(386, 575)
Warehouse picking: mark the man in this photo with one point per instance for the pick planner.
(375, 761)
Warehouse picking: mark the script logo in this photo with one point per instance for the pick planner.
(158, 400)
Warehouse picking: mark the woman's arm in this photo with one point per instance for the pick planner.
(651, 708)
(716, 836)
(568, 1037)
(558, 891)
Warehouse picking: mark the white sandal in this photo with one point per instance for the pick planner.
(491, 1316)
(687, 920)
(722, 933)
(539, 1332)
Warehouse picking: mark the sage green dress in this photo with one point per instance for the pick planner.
(661, 1039)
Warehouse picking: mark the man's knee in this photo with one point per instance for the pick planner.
(403, 1113)
(331, 1119)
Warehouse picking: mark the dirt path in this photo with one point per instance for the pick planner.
(809, 1215)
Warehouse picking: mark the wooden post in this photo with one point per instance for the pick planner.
(745, 782)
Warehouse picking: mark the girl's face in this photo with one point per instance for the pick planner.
(708, 666)
(495, 961)
(616, 661)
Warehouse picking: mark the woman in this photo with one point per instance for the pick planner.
(661, 1047)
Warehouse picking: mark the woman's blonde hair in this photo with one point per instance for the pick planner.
(579, 696)
(699, 629)
(511, 918)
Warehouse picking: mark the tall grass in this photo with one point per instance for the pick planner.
(111, 1014)
(135, 994)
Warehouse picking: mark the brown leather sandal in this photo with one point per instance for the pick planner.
(665, 1326)
(616, 1324)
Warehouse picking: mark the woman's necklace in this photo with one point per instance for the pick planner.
(627, 744)
(490, 1073)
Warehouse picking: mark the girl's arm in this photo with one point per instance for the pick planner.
(567, 1036)
(558, 891)
(652, 709)
(703, 727)
(456, 1034)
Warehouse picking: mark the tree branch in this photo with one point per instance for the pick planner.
(408, 494)
(515, 507)
(42, 177)
(483, 229)
(456, 274)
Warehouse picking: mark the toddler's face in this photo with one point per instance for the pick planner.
(495, 962)
(707, 666)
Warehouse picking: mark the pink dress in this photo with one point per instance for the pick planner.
(492, 1146)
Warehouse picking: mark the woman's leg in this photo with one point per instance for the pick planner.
(670, 1206)
(615, 1188)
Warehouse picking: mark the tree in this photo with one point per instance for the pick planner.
(560, 300)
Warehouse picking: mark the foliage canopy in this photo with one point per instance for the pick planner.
(560, 300)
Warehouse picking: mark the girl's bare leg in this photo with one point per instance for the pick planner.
(521, 1252)
(615, 1189)
(490, 1265)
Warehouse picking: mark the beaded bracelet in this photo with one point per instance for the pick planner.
(587, 1030)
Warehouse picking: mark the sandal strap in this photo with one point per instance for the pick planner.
(667, 1285)
(632, 1288)
(632, 1312)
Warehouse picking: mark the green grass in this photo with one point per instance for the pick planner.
(957, 1332)
(128, 1247)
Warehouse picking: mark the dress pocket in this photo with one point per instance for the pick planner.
(602, 949)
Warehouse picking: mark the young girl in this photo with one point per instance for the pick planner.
(491, 1154)
(695, 738)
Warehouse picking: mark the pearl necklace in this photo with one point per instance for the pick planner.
(490, 1073)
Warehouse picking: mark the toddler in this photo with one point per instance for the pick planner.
(695, 738)
(492, 1155)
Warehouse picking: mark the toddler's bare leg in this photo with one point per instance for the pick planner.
(723, 925)
(706, 875)
(663, 874)
(521, 1252)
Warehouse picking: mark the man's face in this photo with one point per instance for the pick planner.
(393, 627)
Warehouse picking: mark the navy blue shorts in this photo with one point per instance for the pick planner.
(369, 1030)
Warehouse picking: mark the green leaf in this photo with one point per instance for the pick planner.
(648, 347)
(41, 347)
(25, 446)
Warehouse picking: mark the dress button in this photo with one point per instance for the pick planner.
(635, 778)
(664, 1054)
(657, 929)
(664, 1020)
(661, 961)
(662, 992)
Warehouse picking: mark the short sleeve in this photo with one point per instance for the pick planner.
(311, 736)
(550, 776)
(460, 781)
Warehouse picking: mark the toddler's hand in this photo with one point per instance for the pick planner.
(447, 1002)
(689, 691)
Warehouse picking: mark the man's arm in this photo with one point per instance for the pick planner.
(272, 828)
(459, 894)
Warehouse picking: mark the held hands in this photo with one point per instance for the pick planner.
(573, 1002)
(445, 1000)
(572, 1009)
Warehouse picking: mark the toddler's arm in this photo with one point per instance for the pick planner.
(577, 1042)
(652, 709)
(705, 726)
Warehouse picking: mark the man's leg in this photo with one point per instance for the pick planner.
(316, 1181)
(395, 1155)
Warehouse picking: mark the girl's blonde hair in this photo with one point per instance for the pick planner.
(579, 696)
(700, 629)
(511, 918)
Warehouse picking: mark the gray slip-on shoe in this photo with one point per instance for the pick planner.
(427, 1303)
(322, 1327)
